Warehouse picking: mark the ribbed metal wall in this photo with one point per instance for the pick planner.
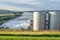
(38, 20)
(55, 20)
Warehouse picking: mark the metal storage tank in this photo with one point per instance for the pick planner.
(47, 21)
(38, 20)
(55, 20)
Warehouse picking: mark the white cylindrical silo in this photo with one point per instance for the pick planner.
(55, 20)
(38, 20)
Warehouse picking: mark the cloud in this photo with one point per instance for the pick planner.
(55, 0)
(28, 2)
(31, 4)
(13, 8)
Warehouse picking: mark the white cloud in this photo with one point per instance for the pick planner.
(18, 1)
(31, 4)
(34, 3)
(13, 8)
(52, 0)
(56, 0)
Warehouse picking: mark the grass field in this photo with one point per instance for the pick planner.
(28, 32)
(28, 38)
(28, 35)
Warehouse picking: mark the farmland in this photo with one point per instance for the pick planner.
(29, 35)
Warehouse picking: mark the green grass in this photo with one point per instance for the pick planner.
(19, 35)
(32, 35)
(28, 38)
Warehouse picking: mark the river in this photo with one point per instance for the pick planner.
(19, 22)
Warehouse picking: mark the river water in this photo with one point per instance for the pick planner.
(19, 22)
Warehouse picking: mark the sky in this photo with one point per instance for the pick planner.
(29, 5)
